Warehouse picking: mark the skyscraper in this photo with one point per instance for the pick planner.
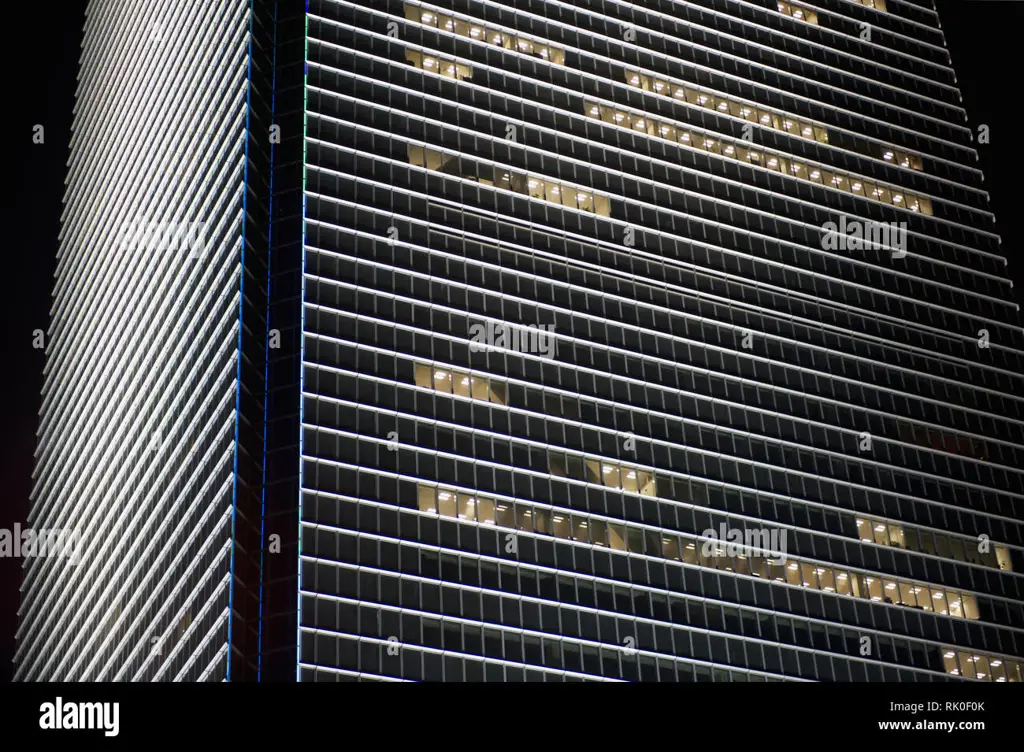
(602, 340)
(151, 430)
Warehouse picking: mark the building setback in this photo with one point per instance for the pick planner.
(532, 340)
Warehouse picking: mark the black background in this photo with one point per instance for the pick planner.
(719, 717)
(39, 60)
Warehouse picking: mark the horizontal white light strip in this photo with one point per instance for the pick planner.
(669, 262)
(540, 568)
(758, 31)
(842, 539)
(209, 638)
(899, 17)
(545, 448)
(687, 316)
(730, 405)
(880, 48)
(688, 105)
(856, 460)
(649, 357)
(824, 12)
(568, 10)
(526, 632)
(758, 612)
(383, 644)
(471, 316)
(779, 51)
(358, 675)
(638, 280)
(158, 129)
(921, 8)
(551, 22)
(589, 122)
(737, 229)
(573, 481)
(155, 540)
(781, 497)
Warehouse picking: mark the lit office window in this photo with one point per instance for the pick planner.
(537, 186)
(603, 472)
(515, 516)
(917, 595)
(484, 33)
(876, 4)
(936, 543)
(439, 65)
(848, 183)
(882, 533)
(461, 384)
(727, 105)
(972, 665)
(429, 158)
(688, 549)
(768, 119)
(800, 14)
(534, 186)
(902, 158)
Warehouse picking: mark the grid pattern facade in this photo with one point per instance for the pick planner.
(654, 181)
(146, 444)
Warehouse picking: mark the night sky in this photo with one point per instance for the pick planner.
(982, 35)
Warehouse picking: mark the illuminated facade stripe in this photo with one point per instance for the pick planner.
(153, 376)
(354, 490)
(402, 257)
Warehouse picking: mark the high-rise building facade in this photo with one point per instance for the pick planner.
(150, 441)
(583, 281)
(556, 300)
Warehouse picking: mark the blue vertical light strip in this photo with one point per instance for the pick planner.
(302, 354)
(238, 352)
(266, 359)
